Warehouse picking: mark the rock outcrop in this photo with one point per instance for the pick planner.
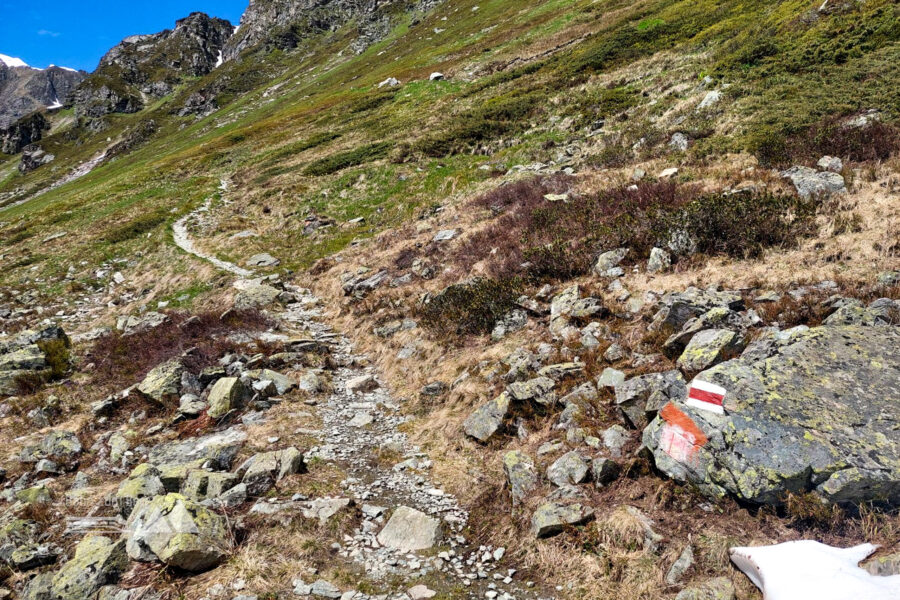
(813, 411)
(285, 24)
(24, 90)
(32, 355)
(151, 65)
(23, 132)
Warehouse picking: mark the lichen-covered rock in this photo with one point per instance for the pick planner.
(520, 473)
(258, 295)
(639, 398)
(677, 308)
(261, 471)
(551, 518)
(163, 383)
(215, 451)
(810, 183)
(63, 446)
(143, 482)
(283, 383)
(804, 412)
(36, 494)
(226, 394)
(32, 556)
(178, 532)
(569, 469)
(604, 471)
(98, 561)
(720, 317)
(487, 420)
(201, 484)
(538, 390)
(709, 347)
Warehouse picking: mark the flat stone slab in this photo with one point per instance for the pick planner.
(410, 530)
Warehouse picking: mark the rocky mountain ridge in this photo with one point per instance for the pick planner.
(24, 89)
(145, 67)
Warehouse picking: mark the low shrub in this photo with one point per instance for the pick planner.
(498, 116)
(58, 357)
(136, 228)
(343, 160)
(123, 360)
(540, 240)
(471, 308)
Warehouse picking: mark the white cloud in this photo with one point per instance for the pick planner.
(49, 33)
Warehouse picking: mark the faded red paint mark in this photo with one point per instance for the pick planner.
(680, 437)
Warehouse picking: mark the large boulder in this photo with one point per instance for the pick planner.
(98, 561)
(163, 383)
(806, 411)
(226, 394)
(178, 532)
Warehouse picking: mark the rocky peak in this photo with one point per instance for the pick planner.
(24, 89)
(285, 23)
(152, 64)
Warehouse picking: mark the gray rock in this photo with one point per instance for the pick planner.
(610, 378)
(677, 308)
(325, 589)
(445, 235)
(256, 295)
(831, 163)
(604, 471)
(520, 474)
(163, 383)
(608, 260)
(513, 321)
(660, 260)
(262, 471)
(804, 414)
(409, 530)
(719, 317)
(487, 420)
(552, 518)
(538, 390)
(143, 482)
(681, 565)
(710, 347)
(178, 532)
(615, 439)
(639, 398)
(98, 561)
(719, 588)
(679, 142)
(362, 384)
(810, 183)
(614, 353)
(226, 395)
(711, 98)
(569, 469)
(262, 260)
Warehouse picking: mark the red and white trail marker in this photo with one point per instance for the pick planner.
(706, 396)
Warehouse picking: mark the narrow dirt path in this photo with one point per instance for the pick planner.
(183, 240)
(357, 426)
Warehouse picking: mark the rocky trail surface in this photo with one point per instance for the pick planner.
(360, 419)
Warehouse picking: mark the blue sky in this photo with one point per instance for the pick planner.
(76, 34)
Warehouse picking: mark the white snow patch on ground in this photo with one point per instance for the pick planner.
(220, 60)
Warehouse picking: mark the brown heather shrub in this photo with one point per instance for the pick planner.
(471, 308)
(830, 136)
(539, 240)
(120, 359)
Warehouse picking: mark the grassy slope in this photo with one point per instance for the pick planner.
(787, 66)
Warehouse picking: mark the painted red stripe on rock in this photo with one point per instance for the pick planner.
(704, 396)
